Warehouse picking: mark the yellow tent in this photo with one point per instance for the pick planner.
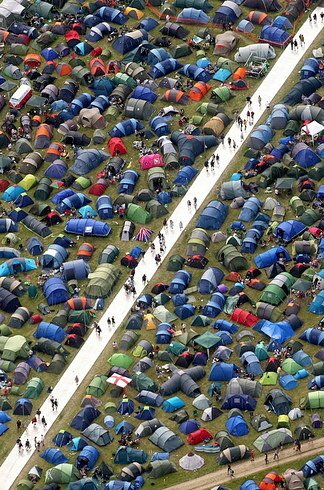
(149, 321)
(134, 13)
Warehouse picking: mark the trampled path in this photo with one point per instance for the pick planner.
(247, 469)
(121, 304)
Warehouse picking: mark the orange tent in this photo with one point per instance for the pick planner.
(240, 73)
(63, 69)
(260, 18)
(54, 151)
(85, 251)
(199, 90)
(97, 67)
(32, 60)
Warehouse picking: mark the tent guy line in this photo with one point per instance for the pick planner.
(121, 304)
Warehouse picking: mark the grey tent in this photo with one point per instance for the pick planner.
(139, 109)
(235, 453)
(251, 51)
(57, 364)
(13, 285)
(156, 209)
(31, 163)
(127, 231)
(148, 427)
(244, 386)
(265, 311)
(109, 254)
(19, 317)
(36, 226)
(184, 380)
(128, 339)
(260, 423)
(232, 189)
(97, 434)
(165, 439)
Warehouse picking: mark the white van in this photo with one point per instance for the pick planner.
(20, 97)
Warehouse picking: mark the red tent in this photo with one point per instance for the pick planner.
(244, 317)
(199, 436)
(116, 147)
(4, 184)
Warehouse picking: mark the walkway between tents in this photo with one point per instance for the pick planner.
(248, 470)
(121, 304)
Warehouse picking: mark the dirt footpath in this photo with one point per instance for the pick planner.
(248, 468)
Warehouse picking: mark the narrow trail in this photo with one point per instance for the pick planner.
(120, 306)
(249, 468)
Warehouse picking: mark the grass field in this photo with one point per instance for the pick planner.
(101, 366)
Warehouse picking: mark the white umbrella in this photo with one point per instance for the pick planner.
(119, 380)
(191, 462)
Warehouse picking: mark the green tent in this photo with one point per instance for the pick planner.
(261, 351)
(222, 94)
(123, 79)
(232, 259)
(98, 386)
(156, 209)
(5, 330)
(161, 299)
(84, 484)
(273, 439)
(269, 379)
(137, 214)
(141, 381)
(311, 484)
(316, 172)
(201, 321)
(271, 174)
(309, 217)
(297, 205)
(120, 360)
(57, 364)
(290, 366)
(284, 184)
(283, 422)
(81, 316)
(109, 254)
(4, 403)
(208, 108)
(81, 183)
(16, 346)
(313, 400)
(181, 50)
(164, 315)
(276, 292)
(318, 368)
(34, 388)
(292, 128)
(102, 281)
(25, 485)
(302, 285)
(42, 9)
(186, 338)
(156, 178)
(110, 407)
(62, 474)
(208, 340)
(176, 348)
(158, 469)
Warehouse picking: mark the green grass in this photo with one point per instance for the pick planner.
(101, 365)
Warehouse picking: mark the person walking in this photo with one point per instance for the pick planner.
(52, 402)
(252, 455)
(27, 445)
(229, 141)
(189, 204)
(322, 16)
(113, 321)
(171, 224)
(195, 202)
(232, 473)
(292, 45)
(234, 145)
(38, 413)
(76, 379)
(56, 404)
(315, 18)
(217, 159)
(229, 469)
(266, 458)
(98, 330)
(301, 40)
(180, 225)
(19, 424)
(144, 279)
(206, 165)
(34, 421)
(259, 100)
(296, 45)
(44, 422)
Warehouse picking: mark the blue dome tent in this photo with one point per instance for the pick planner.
(193, 16)
(34, 246)
(157, 55)
(125, 128)
(104, 207)
(250, 209)
(210, 279)
(110, 14)
(87, 458)
(190, 147)
(268, 258)
(128, 182)
(55, 291)
(195, 73)
(54, 456)
(251, 363)
(185, 311)
(310, 68)
(317, 305)
(164, 67)
(304, 155)
(185, 175)
(225, 325)
(144, 93)
(87, 160)
(54, 257)
(215, 305)
(180, 282)
(289, 230)
(282, 22)
(160, 126)
(288, 382)
(213, 216)
(129, 41)
(76, 201)
(237, 426)
(222, 371)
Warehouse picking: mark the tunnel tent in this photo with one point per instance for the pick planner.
(62, 474)
(139, 109)
(15, 347)
(264, 5)
(232, 259)
(165, 439)
(255, 50)
(87, 160)
(54, 257)
(228, 12)
(192, 15)
(173, 29)
(109, 254)
(232, 454)
(129, 41)
(225, 42)
(19, 317)
(303, 88)
(102, 281)
(75, 270)
(274, 35)
(34, 388)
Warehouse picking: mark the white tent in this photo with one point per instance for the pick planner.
(191, 462)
